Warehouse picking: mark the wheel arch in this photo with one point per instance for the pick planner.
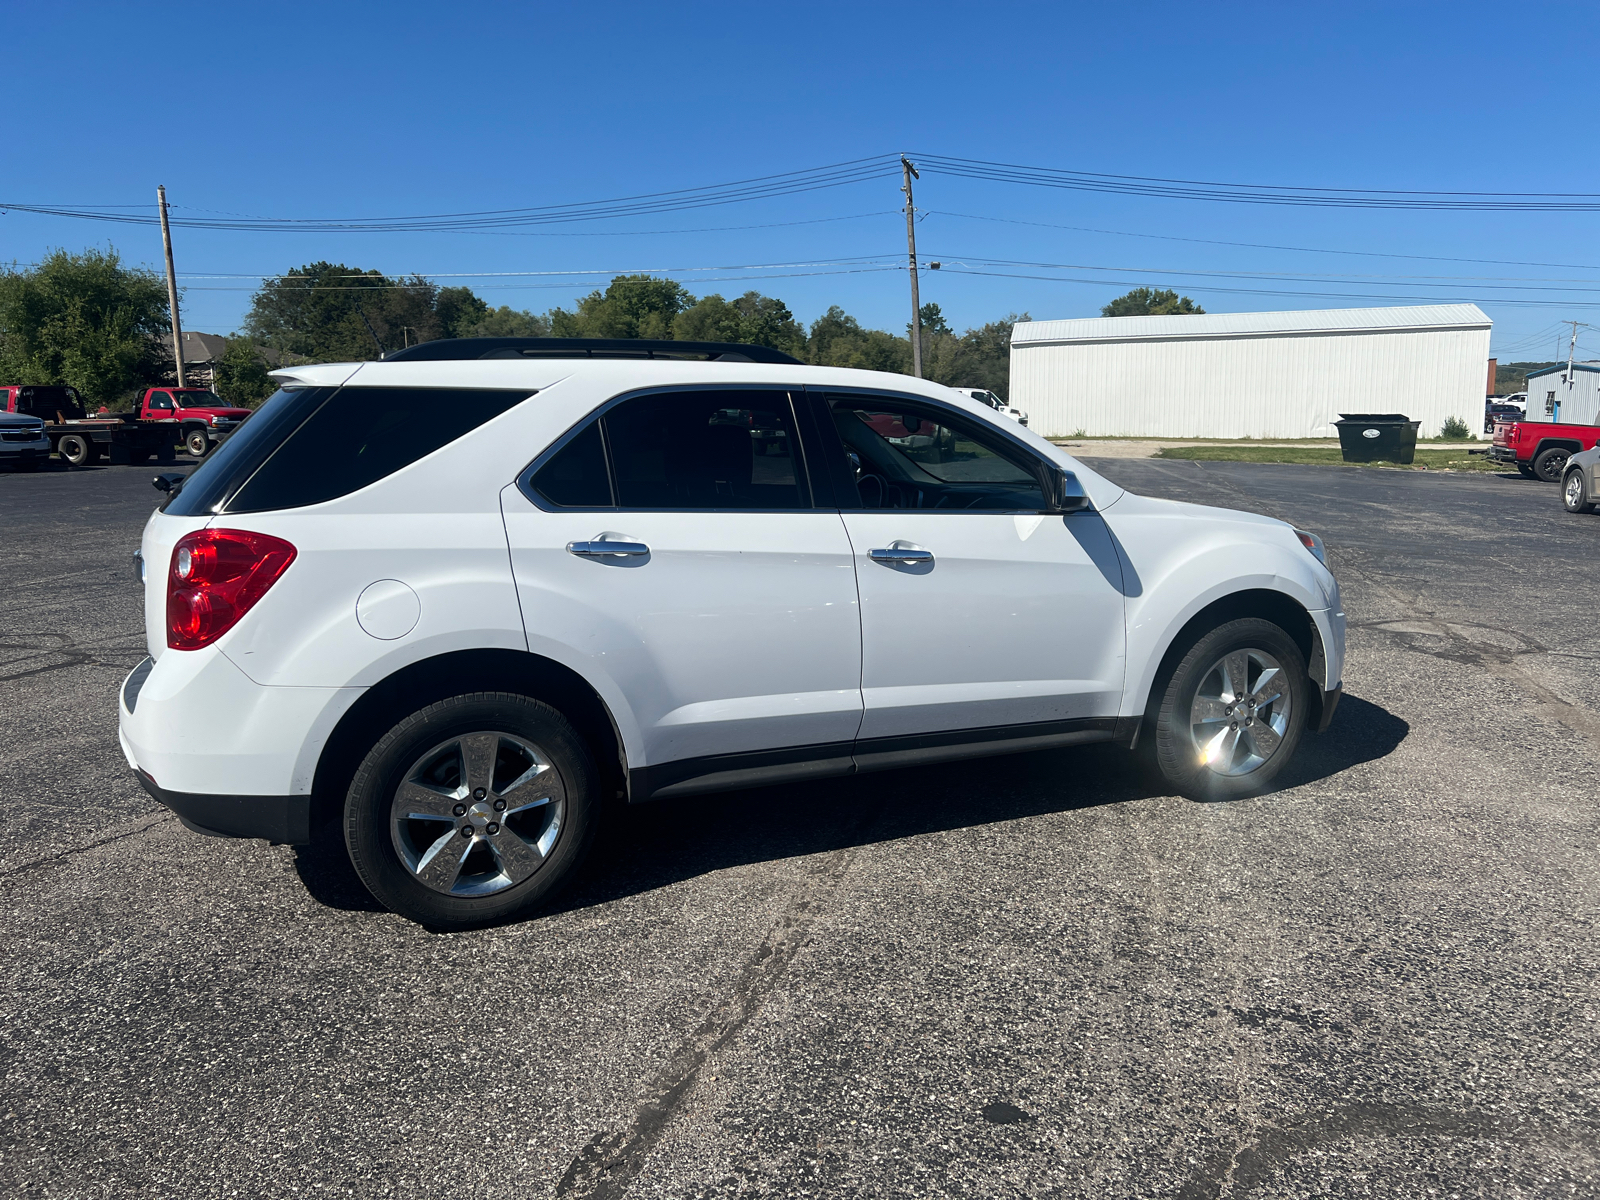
(1569, 444)
(1282, 609)
(452, 674)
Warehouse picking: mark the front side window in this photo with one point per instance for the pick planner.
(160, 399)
(904, 456)
(681, 450)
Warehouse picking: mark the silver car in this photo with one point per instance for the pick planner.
(1580, 485)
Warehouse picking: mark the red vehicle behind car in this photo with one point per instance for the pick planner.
(203, 417)
(1540, 449)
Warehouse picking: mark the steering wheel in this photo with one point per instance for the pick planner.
(873, 489)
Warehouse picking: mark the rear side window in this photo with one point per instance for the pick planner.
(317, 444)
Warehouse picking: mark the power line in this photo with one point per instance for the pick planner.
(1165, 237)
(1254, 193)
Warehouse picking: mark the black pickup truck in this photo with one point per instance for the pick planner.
(79, 438)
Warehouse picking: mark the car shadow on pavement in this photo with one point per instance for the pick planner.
(651, 846)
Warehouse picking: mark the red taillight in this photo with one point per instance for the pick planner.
(216, 576)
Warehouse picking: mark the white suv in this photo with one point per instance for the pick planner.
(460, 601)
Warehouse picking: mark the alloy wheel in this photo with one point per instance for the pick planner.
(477, 814)
(1240, 712)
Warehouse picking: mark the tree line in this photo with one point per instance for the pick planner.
(91, 321)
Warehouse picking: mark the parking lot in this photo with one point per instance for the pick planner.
(1024, 976)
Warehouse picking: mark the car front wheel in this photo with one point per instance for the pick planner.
(1233, 711)
(196, 443)
(1574, 496)
(473, 810)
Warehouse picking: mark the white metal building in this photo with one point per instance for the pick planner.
(1554, 397)
(1259, 375)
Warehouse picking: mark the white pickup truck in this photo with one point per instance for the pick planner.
(994, 402)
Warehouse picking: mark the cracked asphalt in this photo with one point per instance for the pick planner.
(1028, 976)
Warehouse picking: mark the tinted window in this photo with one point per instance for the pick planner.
(236, 459)
(160, 399)
(906, 457)
(576, 476)
(359, 436)
(705, 450)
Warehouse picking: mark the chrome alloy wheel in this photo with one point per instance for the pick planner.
(1240, 713)
(477, 814)
(1574, 489)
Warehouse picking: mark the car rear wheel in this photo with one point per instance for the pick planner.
(473, 810)
(1525, 471)
(1574, 496)
(74, 448)
(1549, 464)
(1233, 711)
(196, 442)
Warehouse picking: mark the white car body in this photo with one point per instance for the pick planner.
(749, 647)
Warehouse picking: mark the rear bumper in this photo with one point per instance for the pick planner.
(283, 820)
(1503, 454)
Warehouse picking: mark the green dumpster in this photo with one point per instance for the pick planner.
(1377, 437)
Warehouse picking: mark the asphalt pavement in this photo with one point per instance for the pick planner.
(1020, 977)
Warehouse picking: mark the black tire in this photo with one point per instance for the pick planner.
(1549, 465)
(371, 836)
(1525, 471)
(96, 452)
(196, 442)
(29, 464)
(167, 453)
(74, 448)
(1174, 749)
(1575, 496)
(135, 457)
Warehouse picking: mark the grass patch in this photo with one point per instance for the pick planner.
(1430, 458)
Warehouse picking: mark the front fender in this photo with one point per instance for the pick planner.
(1181, 558)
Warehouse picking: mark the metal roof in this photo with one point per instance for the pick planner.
(1417, 318)
(1577, 366)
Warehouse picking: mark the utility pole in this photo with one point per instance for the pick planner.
(1571, 346)
(910, 173)
(172, 283)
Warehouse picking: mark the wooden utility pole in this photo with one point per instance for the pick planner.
(172, 283)
(910, 173)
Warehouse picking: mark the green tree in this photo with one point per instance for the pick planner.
(933, 322)
(979, 358)
(85, 320)
(633, 306)
(509, 322)
(241, 374)
(753, 319)
(838, 340)
(328, 312)
(1148, 302)
(459, 311)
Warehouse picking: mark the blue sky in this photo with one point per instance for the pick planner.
(329, 110)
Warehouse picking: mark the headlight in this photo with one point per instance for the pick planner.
(1312, 543)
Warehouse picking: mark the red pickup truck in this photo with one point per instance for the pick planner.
(1540, 449)
(203, 417)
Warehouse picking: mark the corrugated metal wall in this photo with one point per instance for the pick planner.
(1579, 403)
(1276, 386)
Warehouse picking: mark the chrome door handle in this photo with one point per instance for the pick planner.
(900, 554)
(608, 549)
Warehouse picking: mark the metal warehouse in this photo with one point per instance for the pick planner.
(1570, 396)
(1258, 375)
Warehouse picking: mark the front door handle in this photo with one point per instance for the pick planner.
(604, 548)
(900, 554)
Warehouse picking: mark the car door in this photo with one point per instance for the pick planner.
(672, 543)
(985, 617)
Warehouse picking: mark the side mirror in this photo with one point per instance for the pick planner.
(1067, 494)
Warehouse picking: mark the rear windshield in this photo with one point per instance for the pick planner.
(309, 445)
(44, 401)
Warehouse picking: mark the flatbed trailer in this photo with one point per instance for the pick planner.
(79, 438)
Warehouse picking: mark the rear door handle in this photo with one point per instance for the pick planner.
(900, 554)
(608, 549)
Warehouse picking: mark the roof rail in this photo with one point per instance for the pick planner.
(446, 349)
